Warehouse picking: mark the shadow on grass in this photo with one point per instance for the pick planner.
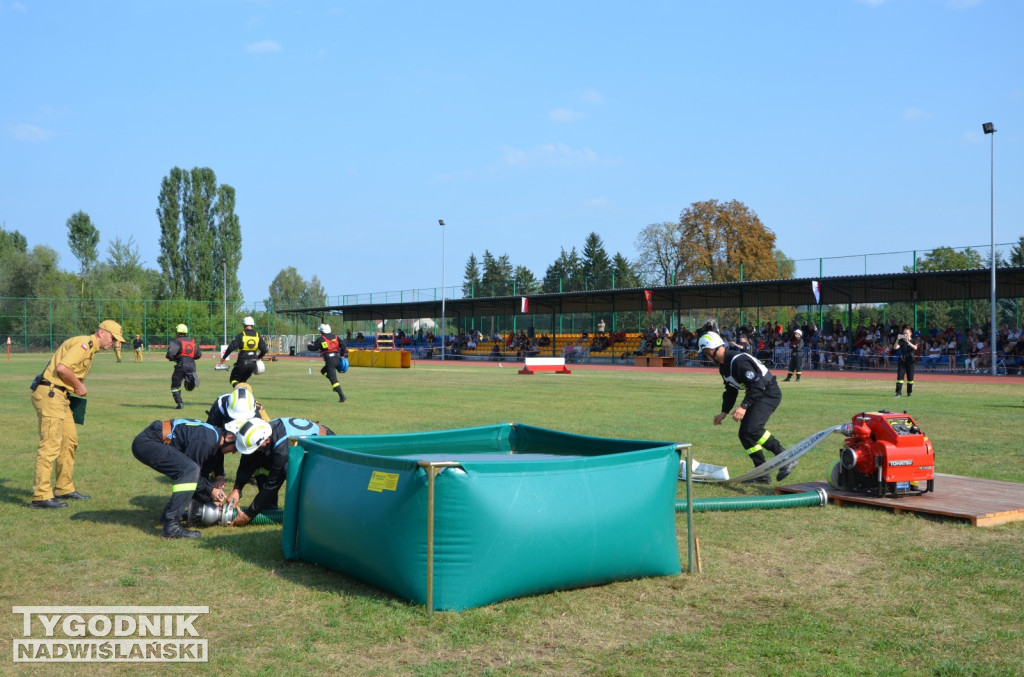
(143, 518)
(262, 547)
(13, 495)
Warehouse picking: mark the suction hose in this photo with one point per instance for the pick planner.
(808, 498)
(269, 517)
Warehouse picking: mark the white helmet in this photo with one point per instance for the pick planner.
(710, 341)
(260, 367)
(239, 404)
(181, 329)
(797, 332)
(248, 321)
(249, 435)
(325, 328)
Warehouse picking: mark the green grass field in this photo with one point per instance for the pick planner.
(806, 591)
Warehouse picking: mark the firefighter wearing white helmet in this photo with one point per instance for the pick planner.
(761, 396)
(335, 354)
(184, 352)
(271, 455)
(238, 405)
(251, 348)
(796, 354)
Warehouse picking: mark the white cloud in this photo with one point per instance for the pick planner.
(565, 115)
(263, 47)
(916, 114)
(592, 96)
(598, 202)
(25, 132)
(551, 155)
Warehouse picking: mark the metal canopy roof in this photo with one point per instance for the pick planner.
(949, 285)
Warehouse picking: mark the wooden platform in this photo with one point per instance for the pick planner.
(985, 503)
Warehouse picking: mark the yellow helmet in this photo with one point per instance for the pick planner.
(182, 329)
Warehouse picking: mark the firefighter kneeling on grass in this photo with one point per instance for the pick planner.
(189, 452)
(335, 354)
(271, 455)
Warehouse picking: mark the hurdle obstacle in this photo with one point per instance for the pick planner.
(553, 364)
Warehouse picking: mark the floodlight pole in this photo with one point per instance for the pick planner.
(443, 339)
(224, 260)
(989, 128)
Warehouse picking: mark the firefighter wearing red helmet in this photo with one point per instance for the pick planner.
(761, 396)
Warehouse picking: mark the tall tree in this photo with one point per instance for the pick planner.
(1017, 253)
(564, 274)
(228, 244)
(524, 281)
(168, 213)
(662, 255)
(83, 238)
(626, 274)
(726, 240)
(289, 290)
(199, 232)
(596, 267)
(947, 258)
(471, 278)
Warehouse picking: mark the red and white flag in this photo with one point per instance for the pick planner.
(816, 288)
(525, 305)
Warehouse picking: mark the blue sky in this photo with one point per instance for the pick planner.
(349, 128)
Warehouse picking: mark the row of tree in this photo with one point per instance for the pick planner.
(200, 246)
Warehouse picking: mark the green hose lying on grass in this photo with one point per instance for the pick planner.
(804, 499)
(807, 498)
(269, 517)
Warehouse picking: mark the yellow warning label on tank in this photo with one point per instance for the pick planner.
(381, 481)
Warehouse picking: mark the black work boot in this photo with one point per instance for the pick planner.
(759, 460)
(176, 530)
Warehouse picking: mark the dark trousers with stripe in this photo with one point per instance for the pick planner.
(242, 371)
(183, 472)
(753, 435)
(330, 370)
(905, 374)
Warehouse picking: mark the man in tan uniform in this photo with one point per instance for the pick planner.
(58, 438)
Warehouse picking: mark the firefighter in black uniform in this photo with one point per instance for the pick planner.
(335, 354)
(271, 455)
(189, 453)
(761, 396)
(238, 405)
(796, 354)
(184, 352)
(251, 348)
(906, 352)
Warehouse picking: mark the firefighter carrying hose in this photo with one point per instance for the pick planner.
(761, 396)
(335, 354)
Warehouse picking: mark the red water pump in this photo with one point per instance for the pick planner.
(884, 454)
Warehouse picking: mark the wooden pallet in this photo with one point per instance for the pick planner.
(985, 503)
